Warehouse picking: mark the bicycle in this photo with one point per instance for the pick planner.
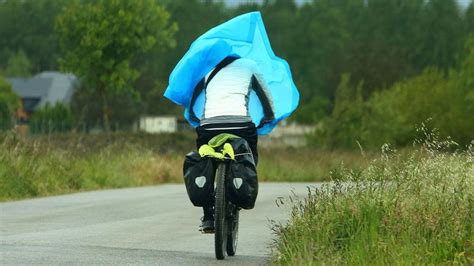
(226, 215)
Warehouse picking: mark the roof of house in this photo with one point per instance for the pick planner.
(48, 87)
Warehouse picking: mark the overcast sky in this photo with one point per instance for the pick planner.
(463, 3)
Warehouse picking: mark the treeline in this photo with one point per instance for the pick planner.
(407, 111)
(347, 56)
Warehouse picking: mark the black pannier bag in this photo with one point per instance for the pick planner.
(243, 186)
(199, 179)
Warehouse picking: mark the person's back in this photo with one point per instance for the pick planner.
(227, 92)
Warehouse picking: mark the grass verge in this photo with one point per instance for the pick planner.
(43, 165)
(307, 164)
(30, 168)
(416, 209)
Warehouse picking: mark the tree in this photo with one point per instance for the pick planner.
(344, 128)
(18, 65)
(28, 25)
(324, 45)
(443, 34)
(9, 102)
(280, 26)
(464, 83)
(469, 18)
(157, 64)
(384, 42)
(101, 38)
(124, 110)
(194, 17)
(317, 54)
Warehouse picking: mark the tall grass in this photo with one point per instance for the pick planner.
(52, 164)
(416, 209)
(36, 168)
(307, 164)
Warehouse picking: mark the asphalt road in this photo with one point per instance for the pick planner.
(149, 225)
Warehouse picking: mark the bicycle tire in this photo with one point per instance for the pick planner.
(220, 215)
(233, 232)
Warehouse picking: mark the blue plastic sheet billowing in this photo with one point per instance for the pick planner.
(242, 36)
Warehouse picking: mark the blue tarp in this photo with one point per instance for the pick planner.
(242, 36)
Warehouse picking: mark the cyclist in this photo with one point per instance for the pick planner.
(227, 89)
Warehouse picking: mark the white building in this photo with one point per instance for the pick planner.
(158, 124)
(287, 134)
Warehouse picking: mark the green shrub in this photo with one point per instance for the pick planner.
(431, 96)
(394, 113)
(9, 102)
(57, 118)
(311, 112)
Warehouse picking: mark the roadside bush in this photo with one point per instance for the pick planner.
(9, 102)
(433, 96)
(394, 113)
(56, 118)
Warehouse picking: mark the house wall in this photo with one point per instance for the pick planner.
(287, 135)
(158, 124)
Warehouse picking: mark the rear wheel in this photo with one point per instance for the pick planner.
(233, 230)
(221, 231)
